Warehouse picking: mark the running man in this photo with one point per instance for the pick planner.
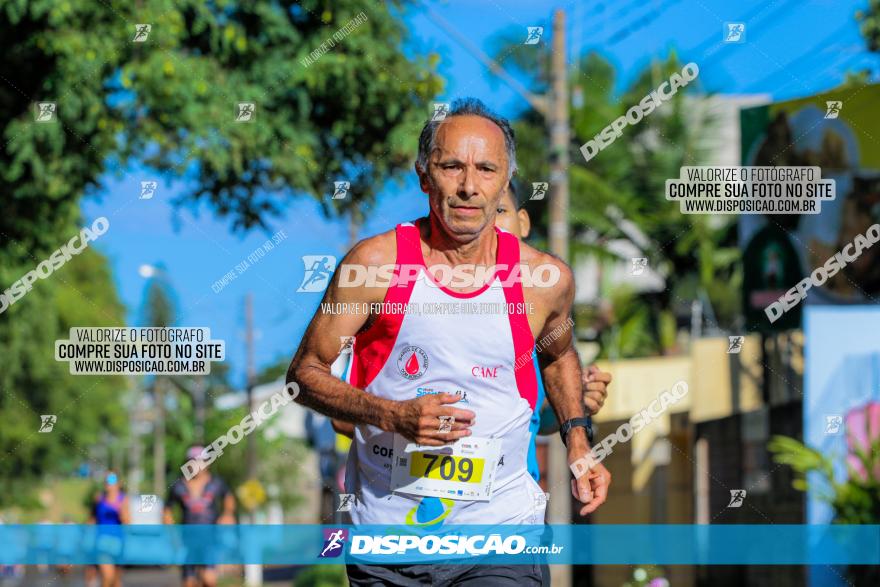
(408, 369)
(514, 219)
(110, 510)
(201, 501)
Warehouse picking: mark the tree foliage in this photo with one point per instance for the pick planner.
(869, 20)
(171, 101)
(89, 409)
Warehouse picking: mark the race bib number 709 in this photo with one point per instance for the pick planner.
(463, 470)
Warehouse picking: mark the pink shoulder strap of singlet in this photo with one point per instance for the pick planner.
(372, 348)
(523, 342)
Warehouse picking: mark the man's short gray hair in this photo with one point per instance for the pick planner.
(468, 107)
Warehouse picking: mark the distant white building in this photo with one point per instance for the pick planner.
(288, 422)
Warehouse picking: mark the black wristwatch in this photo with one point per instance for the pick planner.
(573, 423)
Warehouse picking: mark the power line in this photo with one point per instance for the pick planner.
(537, 102)
(714, 39)
(639, 23)
(622, 11)
(810, 54)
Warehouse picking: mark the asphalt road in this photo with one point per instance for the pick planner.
(132, 577)
(152, 577)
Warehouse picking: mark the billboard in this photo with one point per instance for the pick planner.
(838, 132)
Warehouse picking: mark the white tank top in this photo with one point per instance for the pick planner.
(405, 355)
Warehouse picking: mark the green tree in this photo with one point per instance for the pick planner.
(171, 100)
(88, 408)
(870, 25)
(159, 311)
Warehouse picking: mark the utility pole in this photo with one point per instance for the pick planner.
(135, 458)
(159, 487)
(559, 506)
(201, 393)
(251, 377)
(253, 573)
(560, 136)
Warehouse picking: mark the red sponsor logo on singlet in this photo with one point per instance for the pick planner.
(485, 372)
(412, 362)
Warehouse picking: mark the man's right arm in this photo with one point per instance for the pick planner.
(310, 367)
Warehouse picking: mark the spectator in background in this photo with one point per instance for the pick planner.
(204, 499)
(110, 511)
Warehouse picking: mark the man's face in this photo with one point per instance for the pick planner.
(466, 173)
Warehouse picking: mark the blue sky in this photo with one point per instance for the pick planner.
(792, 48)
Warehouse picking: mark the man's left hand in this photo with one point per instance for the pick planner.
(591, 488)
(595, 385)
